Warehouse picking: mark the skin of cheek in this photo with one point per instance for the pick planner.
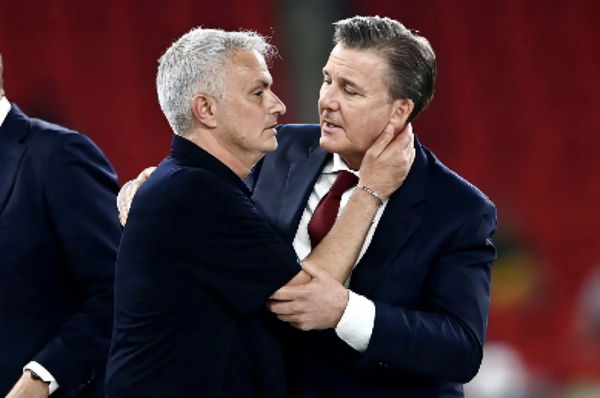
(365, 130)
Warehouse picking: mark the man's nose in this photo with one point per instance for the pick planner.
(278, 105)
(328, 98)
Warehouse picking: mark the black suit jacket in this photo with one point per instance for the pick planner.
(196, 266)
(58, 237)
(427, 270)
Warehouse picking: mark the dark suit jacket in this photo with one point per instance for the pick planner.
(58, 237)
(196, 266)
(427, 270)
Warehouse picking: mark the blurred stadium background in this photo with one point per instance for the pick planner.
(516, 112)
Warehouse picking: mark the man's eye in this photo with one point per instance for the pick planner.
(259, 93)
(326, 81)
(349, 91)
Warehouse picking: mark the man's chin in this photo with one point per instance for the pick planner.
(271, 145)
(328, 144)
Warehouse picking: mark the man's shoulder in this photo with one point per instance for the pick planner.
(183, 184)
(37, 130)
(42, 129)
(298, 133)
(49, 148)
(45, 136)
(169, 175)
(449, 187)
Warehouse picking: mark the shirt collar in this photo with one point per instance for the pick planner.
(191, 154)
(336, 165)
(4, 109)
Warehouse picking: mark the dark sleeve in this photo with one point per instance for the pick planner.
(81, 191)
(444, 341)
(235, 253)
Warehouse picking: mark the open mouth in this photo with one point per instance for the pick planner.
(328, 126)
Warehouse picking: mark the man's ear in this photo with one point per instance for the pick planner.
(401, 110)
(204, 108)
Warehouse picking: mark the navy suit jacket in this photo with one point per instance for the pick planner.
(196, 266)
(59, 233)
(427, 270)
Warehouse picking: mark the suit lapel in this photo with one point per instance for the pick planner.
(399, 221)
(300, 180)
(12, 148)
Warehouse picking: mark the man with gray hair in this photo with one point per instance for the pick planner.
(197, 262)
(414, 315)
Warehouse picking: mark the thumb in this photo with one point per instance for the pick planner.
(313, 270)
(408, 128)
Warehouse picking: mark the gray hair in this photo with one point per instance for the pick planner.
(411, 60)
(196, 63)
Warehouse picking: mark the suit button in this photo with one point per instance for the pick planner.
(382, 364)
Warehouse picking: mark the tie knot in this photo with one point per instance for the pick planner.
(344, 181)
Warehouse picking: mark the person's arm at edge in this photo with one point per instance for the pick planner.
(82, 183)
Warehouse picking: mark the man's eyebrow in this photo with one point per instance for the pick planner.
(262, 83)
(348, 82)
(345, 81)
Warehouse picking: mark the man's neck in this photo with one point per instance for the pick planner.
(238, 164)
(352, 163)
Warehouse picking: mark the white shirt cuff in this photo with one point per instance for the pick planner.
(356, 324)
(43, 373)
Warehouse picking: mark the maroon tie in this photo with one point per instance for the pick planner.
(327, 209)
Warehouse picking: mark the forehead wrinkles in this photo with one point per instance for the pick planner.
(361, 67)
(247, 63)
(245, 69)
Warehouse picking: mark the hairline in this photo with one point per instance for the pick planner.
(361, 33)
(204, 56)
(380, 53)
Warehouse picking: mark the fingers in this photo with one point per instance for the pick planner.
(296, 321)
(403, 141)
(127, 192)
(290, 312)
(401, 150)
(386, 142)
(288, 318)
(407, 129)
(145, 174)
(284, 307)
(288, 293)
(124, 199)
(382, 141)
(388, 129)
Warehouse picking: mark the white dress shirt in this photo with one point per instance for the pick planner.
(32, 366)
(4, 109)
(43, 373)
(356, 325)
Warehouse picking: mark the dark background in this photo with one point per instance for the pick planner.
(515, 112)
